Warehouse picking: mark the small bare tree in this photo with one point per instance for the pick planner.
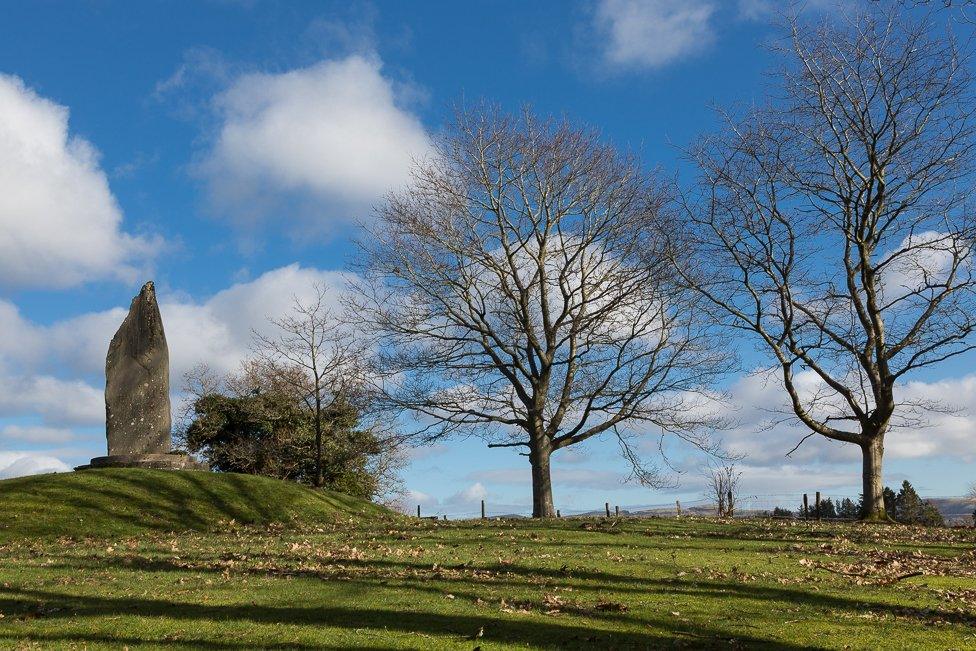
(722, 485)
(316, 356)
(834, 226)
(506, 294)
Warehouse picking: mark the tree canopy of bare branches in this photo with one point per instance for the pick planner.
(317, 357)
(833, 225)
(507, 294)
(964, 8)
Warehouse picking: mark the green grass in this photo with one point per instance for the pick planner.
(377, 581)
(120, 502)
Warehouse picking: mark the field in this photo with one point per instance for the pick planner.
(352, 575)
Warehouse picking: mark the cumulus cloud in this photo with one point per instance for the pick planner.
(410, 499)
(53, 373)
(21, 464)
(333, 136)
(56, 401)
(764, 437)
(473, 494)
(218, 331)
(215, 331)
(36, 434)
(653, 33)
(60, 225)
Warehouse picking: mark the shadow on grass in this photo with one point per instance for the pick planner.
(469, 583)
(547, 634)
(59, 640)
(130, 501)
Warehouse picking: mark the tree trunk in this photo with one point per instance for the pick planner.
(873, 507)
(318, 443)
(541, 482)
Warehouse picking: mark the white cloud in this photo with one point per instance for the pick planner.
(410, 499)
(760, 402)
(54, 372)
(333, 137)
(56, 401)
(21, 464)
(919, 261)
(473, 494)
(218, 331)
(60, 225)
(36, 434)
(653, 33)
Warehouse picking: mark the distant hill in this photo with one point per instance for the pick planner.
(957, 510)
(128, 501)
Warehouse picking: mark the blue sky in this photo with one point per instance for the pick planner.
(227, 149)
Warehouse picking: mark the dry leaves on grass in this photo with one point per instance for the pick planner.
(554, 604)
(882, 567)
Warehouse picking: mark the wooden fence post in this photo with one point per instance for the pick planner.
(616, 511)
(677, 506)
(817, 505)
(806, 511)
(607, 507)
(482, 509)
(418, 510)
(558, 514)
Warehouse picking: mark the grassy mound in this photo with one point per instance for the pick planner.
(128, 501)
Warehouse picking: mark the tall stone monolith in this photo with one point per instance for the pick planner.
(137, 407)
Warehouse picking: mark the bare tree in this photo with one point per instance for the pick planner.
(318, 358)
(722, 485)
(833, 226)
(965, 7)
(507, 298)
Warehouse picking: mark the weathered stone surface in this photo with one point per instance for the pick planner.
(157, 461)
(137, 406)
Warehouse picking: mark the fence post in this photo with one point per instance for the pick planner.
(607, 507)
(677, 506)
(445, 517)
(616, 511)
(817, 505)
(806, 511)
(558, 514)
(482, 509)
(418, 510)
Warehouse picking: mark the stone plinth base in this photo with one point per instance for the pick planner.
(157, 461)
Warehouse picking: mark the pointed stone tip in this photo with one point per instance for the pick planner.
(148, 288)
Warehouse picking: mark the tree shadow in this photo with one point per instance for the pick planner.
(131, 501)
(469, 582)
(515, 630)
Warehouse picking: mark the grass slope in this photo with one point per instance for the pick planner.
(564, 584)
(124, 501)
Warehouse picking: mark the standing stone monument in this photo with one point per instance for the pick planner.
(137, 407)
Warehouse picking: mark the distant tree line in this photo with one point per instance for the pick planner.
(905, 506)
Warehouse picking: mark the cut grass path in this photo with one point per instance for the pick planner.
(382, 581)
